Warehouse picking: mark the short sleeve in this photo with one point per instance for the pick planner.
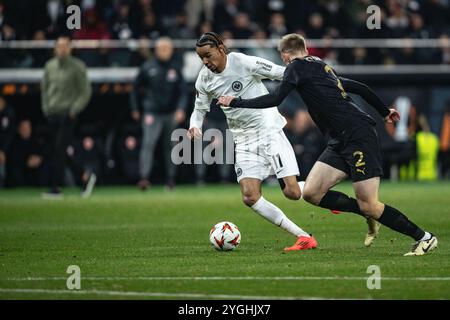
(262, 67)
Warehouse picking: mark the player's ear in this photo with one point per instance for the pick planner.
(222, 49)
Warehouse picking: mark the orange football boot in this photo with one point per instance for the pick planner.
(303, 243)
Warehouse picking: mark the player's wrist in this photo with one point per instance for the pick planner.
(235, 102)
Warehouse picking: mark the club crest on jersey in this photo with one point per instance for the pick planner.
(238, 172)
(172, 75)
(237, 86)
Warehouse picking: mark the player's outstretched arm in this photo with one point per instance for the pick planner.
(367, 94)
(196, 123)
(262, 102)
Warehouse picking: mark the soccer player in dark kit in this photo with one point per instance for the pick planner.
(353, 147)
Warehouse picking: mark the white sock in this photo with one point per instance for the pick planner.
(277, 217)
(427, 236)
(301, 184)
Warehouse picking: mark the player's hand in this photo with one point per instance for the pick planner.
(135, 115)
(194, 133)
(180, 116)
(225, 100)
(393, 116)
(34, 161)
(2, 157)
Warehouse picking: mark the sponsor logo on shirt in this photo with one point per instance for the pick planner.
(266, 66)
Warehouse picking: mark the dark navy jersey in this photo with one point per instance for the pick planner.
(325, 94)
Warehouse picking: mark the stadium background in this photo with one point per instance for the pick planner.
(406, 62)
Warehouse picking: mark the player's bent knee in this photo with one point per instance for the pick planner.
(368, 208)
(250, 199)
(312, 196)
(292, 193)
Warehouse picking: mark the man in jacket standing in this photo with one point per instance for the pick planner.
(159, 89)
(66, 91)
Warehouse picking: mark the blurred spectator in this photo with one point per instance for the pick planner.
(92, 29)
(427, 151)
(406, 55)
(142, 53)
(225, 12)
(180, 29)
(397, 20)
(445, 143)
(404, 129)
(359, 56)
(337, 15)
(25, 159)
(443, 55)
(3, 21)
(204, 27)
(54, 18)
(8, 58)
(128, 148)
(39, 56)
(419, 31)
(277, 27)
(91, 154)
(7, 124)
(260, 50)
(120, 24)
(150, 27)
(436, 14)
(400, 152)
(199, 10)
(316, 28)
(121, 30)
(66, 90)
(242, 26)
(160, 90)
(167, 11)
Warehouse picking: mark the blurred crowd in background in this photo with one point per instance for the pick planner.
(112, 138)
(233, 19)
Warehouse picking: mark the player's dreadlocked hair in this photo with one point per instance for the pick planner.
(212, 39)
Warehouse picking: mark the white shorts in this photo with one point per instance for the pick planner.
(265, 156)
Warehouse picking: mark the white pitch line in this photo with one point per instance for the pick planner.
(250, 278)
(159, 294)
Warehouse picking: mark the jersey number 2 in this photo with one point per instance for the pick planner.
(329, 70)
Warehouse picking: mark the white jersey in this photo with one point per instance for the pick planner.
(241, 78)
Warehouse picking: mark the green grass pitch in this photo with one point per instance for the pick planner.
(154, 245)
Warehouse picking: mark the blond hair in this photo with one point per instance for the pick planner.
(292, 43)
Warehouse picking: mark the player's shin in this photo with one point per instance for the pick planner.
(274, 214)
(397, 221)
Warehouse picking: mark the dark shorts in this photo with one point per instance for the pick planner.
(359, 156)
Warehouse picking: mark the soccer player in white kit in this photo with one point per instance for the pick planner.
(261, 147)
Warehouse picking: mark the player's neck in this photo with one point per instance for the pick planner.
(297, 56)
(224, 65)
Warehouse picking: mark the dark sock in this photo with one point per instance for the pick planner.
(335, 200)
(397, 221)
